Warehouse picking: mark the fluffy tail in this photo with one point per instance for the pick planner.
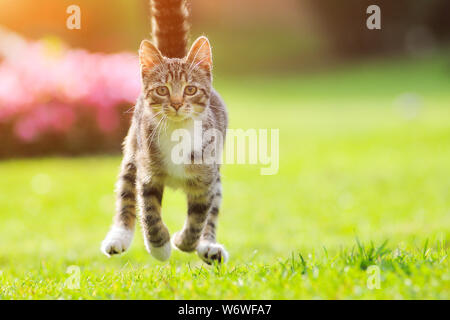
(170, 27)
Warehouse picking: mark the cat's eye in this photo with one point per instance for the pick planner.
(162, 91)
(190, 90)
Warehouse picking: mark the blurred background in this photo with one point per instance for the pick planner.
(364, 127)
(68, 91)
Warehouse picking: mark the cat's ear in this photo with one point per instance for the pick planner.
(149, 55)
(200, 54)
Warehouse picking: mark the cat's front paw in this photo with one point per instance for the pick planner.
(117, 241)
(211, 251)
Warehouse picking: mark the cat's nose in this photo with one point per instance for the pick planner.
(176, 105)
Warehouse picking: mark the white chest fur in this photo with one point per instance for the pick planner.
(176, 144)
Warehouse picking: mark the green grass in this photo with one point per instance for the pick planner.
(358, 167)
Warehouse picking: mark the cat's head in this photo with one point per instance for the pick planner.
(177, 88)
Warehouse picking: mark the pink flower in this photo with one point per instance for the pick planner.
(42, 92)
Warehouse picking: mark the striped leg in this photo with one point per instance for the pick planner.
(209, 231)
(156, 234)
(198, 208)
(208, 249)
(120, 236)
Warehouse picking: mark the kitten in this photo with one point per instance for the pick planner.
(176, 93)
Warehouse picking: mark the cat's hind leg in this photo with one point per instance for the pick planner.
(198, 206)
(156, 234)
(199, 230)
(120, 235)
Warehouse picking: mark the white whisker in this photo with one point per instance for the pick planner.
(154, 132)
(198, 50)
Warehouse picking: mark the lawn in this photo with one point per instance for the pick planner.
(364, 159)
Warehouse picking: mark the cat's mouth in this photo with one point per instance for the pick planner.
(178, 117)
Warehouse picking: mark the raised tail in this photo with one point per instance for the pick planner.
(170, 27)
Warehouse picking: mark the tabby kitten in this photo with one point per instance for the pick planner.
(176, 93)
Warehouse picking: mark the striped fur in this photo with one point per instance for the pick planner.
(170, 27)
(147, 166)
